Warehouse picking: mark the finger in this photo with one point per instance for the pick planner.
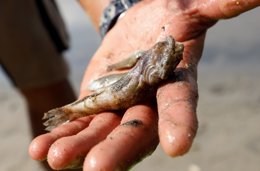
(177, 102)
(69, 152)
(39, 147)
(177, 113)
(128, 143)
(226, 8)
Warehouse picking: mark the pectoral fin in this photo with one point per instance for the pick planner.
(126, 63)
(105, 81)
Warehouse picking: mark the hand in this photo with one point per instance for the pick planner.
(103, 141)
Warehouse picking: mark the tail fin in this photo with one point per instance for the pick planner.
(58, 116)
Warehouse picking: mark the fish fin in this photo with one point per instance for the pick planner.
(58, 116)
(105, 81)
(127, 63)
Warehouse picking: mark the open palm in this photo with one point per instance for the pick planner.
(104, 141)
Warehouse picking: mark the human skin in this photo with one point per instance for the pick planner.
(101, 140)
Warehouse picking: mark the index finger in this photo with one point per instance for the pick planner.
(177, 103)
(177, 113)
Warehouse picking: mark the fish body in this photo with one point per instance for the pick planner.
(152, 67)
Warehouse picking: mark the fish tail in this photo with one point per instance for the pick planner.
(58, 116)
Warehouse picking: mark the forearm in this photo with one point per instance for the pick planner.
(94, 9)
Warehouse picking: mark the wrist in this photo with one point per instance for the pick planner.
(112, 13)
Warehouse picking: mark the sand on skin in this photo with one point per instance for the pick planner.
(228, 110)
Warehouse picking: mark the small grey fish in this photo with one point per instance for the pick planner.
(150, 68)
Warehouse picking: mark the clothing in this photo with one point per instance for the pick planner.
(29, 51)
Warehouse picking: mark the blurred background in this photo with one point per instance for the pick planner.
(228, 138)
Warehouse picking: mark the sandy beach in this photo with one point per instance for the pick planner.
(228, 138)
